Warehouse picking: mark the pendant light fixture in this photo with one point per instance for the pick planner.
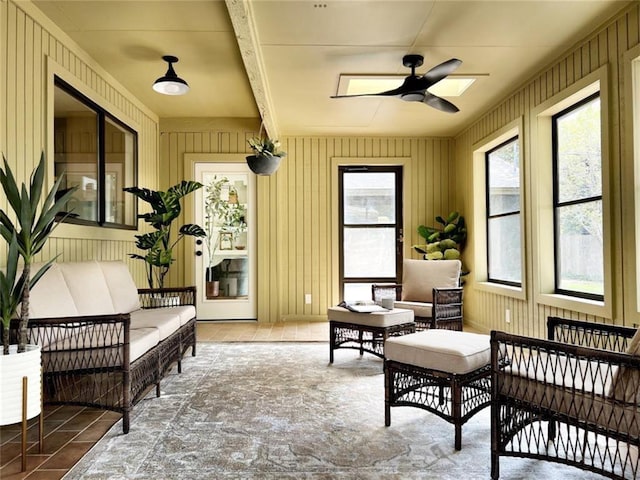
(170, 84)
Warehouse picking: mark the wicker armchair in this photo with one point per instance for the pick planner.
(431, 289)
(572, 399)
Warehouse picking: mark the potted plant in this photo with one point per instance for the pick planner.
(34, 221)
(159, 244)
(445, 242)
(266, 155)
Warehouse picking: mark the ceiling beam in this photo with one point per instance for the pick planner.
(244, 26)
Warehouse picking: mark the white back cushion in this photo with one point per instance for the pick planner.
(123, 290)
(51, 297)
(88, 288)
(420, 277)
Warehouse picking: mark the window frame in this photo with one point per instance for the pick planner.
(557, 204)
(397, 225)
(479, 272)
(488, 216)
(102, 114)
(541, 197)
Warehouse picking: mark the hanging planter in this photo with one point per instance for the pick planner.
(263, 164)
(266, 156)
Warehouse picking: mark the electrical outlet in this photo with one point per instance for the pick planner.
(307, 298)
(507, 315)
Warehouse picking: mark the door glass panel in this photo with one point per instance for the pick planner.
(369, 252)
(369, 198)
(357, 291)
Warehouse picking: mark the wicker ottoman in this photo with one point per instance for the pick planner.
(366, 332)
(445, 372)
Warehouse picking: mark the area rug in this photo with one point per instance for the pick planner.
(280, 411)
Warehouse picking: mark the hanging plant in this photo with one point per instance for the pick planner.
(266, 155)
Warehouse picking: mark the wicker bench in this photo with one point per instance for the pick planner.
(441, 371)
(572, 398)
(366, 332)
(104, 343)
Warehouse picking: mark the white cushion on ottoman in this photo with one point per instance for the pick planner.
(443, 350)
(397, 316)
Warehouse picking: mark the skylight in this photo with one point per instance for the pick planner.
(452, 86)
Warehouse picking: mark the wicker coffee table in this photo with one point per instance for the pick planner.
(366, 332)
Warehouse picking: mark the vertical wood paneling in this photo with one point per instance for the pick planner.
(606, 47)
(294, 209)
(26, 43)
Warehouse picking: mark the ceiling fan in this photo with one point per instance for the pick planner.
(414, 88)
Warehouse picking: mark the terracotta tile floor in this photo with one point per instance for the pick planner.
(69, 432)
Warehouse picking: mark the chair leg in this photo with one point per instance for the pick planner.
(495, 466)
(457, 413)
(388, 385)
(332, 341)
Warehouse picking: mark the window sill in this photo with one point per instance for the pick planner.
(504, 290)
(89, 232)
(581, 305)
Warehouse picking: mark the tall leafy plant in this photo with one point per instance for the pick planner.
(443, 242)
(26, 238)
(159, 244)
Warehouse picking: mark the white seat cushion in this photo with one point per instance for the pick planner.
(419, 309)
(389, 318)
(443, 350)
(185, 312)
(141, 341)
(166, 322)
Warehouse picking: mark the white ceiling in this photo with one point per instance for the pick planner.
(295, 51)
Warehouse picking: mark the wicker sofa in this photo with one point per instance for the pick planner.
(573, 398)
(104, 342)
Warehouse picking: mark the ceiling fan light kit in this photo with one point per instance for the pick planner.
(170, 83)
(414, 87)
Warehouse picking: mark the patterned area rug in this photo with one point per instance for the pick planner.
(280, 411)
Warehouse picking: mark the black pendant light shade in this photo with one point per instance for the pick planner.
(170, 84)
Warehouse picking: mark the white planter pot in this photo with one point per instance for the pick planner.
(12, 368)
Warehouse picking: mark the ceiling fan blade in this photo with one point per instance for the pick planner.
(439, 103)
(389, 93)
(438, 72)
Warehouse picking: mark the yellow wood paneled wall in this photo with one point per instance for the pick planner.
(28, 42)
(295, 222)
(605, 47)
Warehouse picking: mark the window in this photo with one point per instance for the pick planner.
(97, 153)
(504, 264)
(577, 200)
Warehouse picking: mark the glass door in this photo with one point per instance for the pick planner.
(370, 228)
(226, 258)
